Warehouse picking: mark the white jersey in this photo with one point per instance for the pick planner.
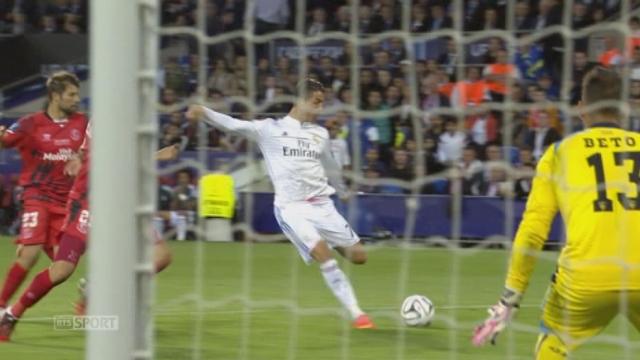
(298, 155)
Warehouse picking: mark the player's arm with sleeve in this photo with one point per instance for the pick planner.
(532, 233)
(333, 171)
(541, 209)
(15, 134)
(225, 122)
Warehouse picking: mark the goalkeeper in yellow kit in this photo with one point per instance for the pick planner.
(593, 179)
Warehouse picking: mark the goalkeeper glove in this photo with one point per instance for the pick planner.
(500, 315)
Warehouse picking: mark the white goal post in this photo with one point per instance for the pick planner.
(123, 62)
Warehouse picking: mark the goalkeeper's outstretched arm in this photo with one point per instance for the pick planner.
(542, 207)
(536, 222)
(223, 122)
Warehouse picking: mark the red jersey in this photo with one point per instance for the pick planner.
(45, 146)
(80, 189)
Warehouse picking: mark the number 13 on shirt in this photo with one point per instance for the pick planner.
(602, 202)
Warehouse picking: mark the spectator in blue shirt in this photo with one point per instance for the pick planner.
(530, 62)
(367, 134)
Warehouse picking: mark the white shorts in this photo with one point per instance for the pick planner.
(306, 223)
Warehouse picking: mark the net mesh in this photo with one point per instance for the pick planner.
(401, 54)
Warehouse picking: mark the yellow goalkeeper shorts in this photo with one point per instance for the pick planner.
(577, 315)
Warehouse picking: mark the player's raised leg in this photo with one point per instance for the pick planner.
(338, 234)
(340, 285)
(356, 253)
(298, 224)
(162, 256)
(26, 258)
(333, 227)
(341, 236)
(33, 238)
(69, 253)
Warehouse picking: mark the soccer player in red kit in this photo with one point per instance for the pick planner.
(46, 140)
(73, 241)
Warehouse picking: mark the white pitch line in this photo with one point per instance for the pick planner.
(311, 311)
(381, 312)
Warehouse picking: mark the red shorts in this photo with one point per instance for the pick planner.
(41, 224)
(71, 249)
(77, 222)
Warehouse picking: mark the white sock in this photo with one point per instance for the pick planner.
(179, 222)
(341, 287)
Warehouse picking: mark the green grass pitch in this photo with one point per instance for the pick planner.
(260, 302)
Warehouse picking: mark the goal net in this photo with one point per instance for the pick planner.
(438, 111)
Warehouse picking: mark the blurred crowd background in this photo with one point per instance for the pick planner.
(444, 75)
(492, 152)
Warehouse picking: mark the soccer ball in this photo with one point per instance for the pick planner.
(417, 310)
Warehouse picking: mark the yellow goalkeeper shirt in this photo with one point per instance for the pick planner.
(593, 179)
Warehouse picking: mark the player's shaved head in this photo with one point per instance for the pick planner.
(310, 100)
(58, 82)
(307, 87)
(599, 85)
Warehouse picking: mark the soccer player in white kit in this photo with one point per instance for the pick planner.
(299, 162)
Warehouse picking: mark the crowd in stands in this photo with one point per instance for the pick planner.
(43, 16)
(382, 141)
(446, 75)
